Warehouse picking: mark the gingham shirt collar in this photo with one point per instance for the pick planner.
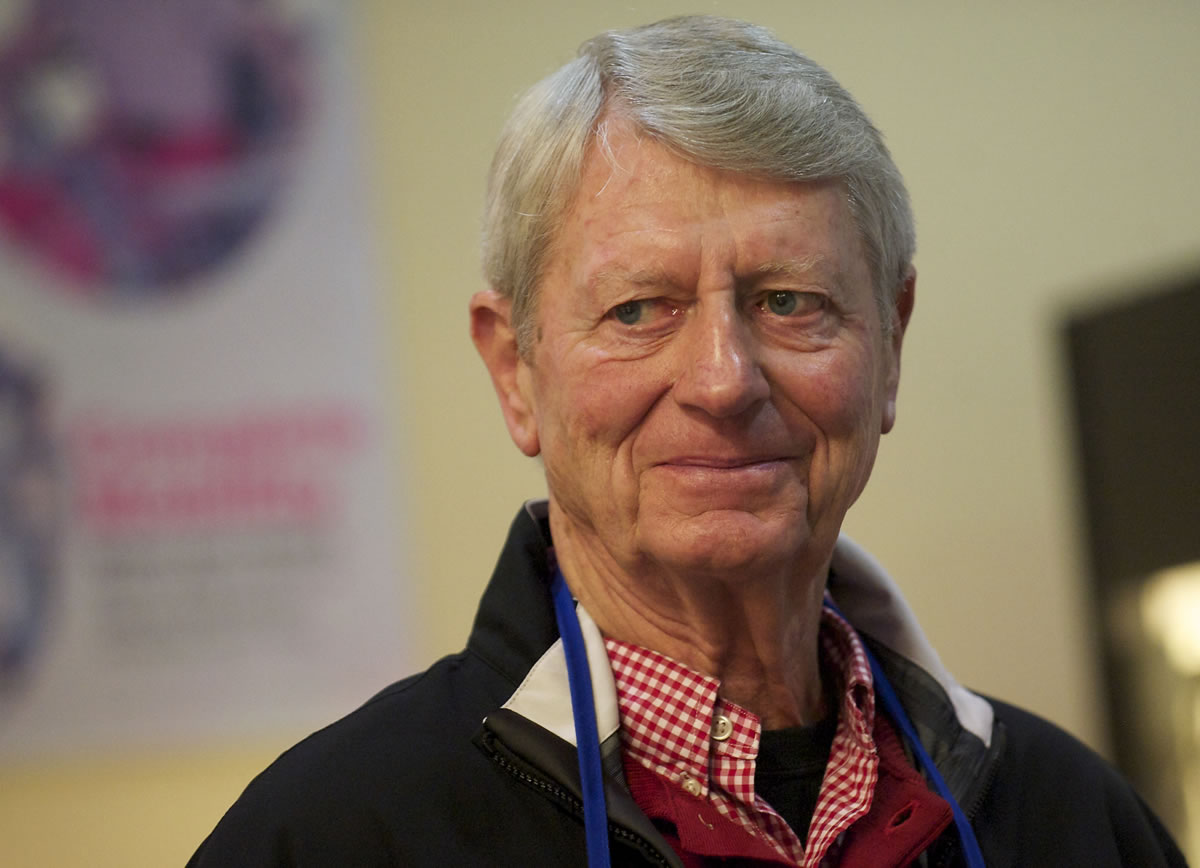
(672, 724)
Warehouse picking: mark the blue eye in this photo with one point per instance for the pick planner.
(782, 303)
(789, 302)
(629, 312)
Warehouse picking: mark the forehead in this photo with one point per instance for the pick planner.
(639, 205)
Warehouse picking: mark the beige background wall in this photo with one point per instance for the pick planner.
(1050, 149)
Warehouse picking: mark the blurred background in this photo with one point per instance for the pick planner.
(252, 469)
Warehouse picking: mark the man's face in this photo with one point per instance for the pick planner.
(710, 375)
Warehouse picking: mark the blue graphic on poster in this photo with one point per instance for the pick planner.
(28, 517)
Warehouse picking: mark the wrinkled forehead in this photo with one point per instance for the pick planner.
(638, 199)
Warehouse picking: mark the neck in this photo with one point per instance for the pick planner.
(755, 632)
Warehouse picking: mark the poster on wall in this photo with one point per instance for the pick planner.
(198, 533)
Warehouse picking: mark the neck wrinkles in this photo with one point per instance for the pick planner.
(756, 635)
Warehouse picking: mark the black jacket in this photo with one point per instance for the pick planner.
(432, 771)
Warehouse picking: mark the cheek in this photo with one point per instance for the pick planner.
(838, 401)
(596, 410)
(855, 403)
(588, 426)
(837, 395)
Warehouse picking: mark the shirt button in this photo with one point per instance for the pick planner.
(690, 785)
(722, 728)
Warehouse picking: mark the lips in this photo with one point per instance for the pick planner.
(716, 482)
(718, 462)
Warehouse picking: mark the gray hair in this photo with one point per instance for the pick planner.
(722, 93)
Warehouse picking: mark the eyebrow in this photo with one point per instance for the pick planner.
(799, 268)
(650, 276)
(802, 267)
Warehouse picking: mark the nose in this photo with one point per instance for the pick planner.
(720, 371)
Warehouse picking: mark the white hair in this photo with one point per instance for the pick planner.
(721, 93)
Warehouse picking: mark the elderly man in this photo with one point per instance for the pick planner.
(699, 253)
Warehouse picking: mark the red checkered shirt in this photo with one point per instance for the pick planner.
(673, 723)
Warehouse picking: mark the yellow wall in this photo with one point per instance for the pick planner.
(1050, 149)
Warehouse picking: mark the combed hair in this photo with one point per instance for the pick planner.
(721, 93)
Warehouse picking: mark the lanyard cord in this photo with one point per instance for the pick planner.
(595, 815)
(891, 703)
(583, 707)
(883, 689)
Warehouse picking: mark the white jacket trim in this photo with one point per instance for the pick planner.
(545, 695)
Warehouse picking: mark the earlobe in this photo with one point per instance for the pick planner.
(496, 341)
(901, 313)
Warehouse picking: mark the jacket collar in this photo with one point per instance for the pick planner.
(872, 602)
(544, 695)
(516, 632)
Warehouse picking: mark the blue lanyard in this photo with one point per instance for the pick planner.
(891, 703)
(583, 707)
(587, 739)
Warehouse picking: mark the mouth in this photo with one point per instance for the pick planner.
(723, 481)
(716, 462)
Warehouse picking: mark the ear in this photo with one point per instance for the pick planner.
(496, 340)
(901, 312)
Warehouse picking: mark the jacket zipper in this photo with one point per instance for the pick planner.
(954, 846)
(576, 807)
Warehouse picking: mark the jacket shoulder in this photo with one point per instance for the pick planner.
(1053, 800)
(351, 789)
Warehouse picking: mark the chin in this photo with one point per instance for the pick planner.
(728, 543)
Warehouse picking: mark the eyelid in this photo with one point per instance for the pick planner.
(654, 302)
(656, 312)
(818, 300)
(791, 290)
